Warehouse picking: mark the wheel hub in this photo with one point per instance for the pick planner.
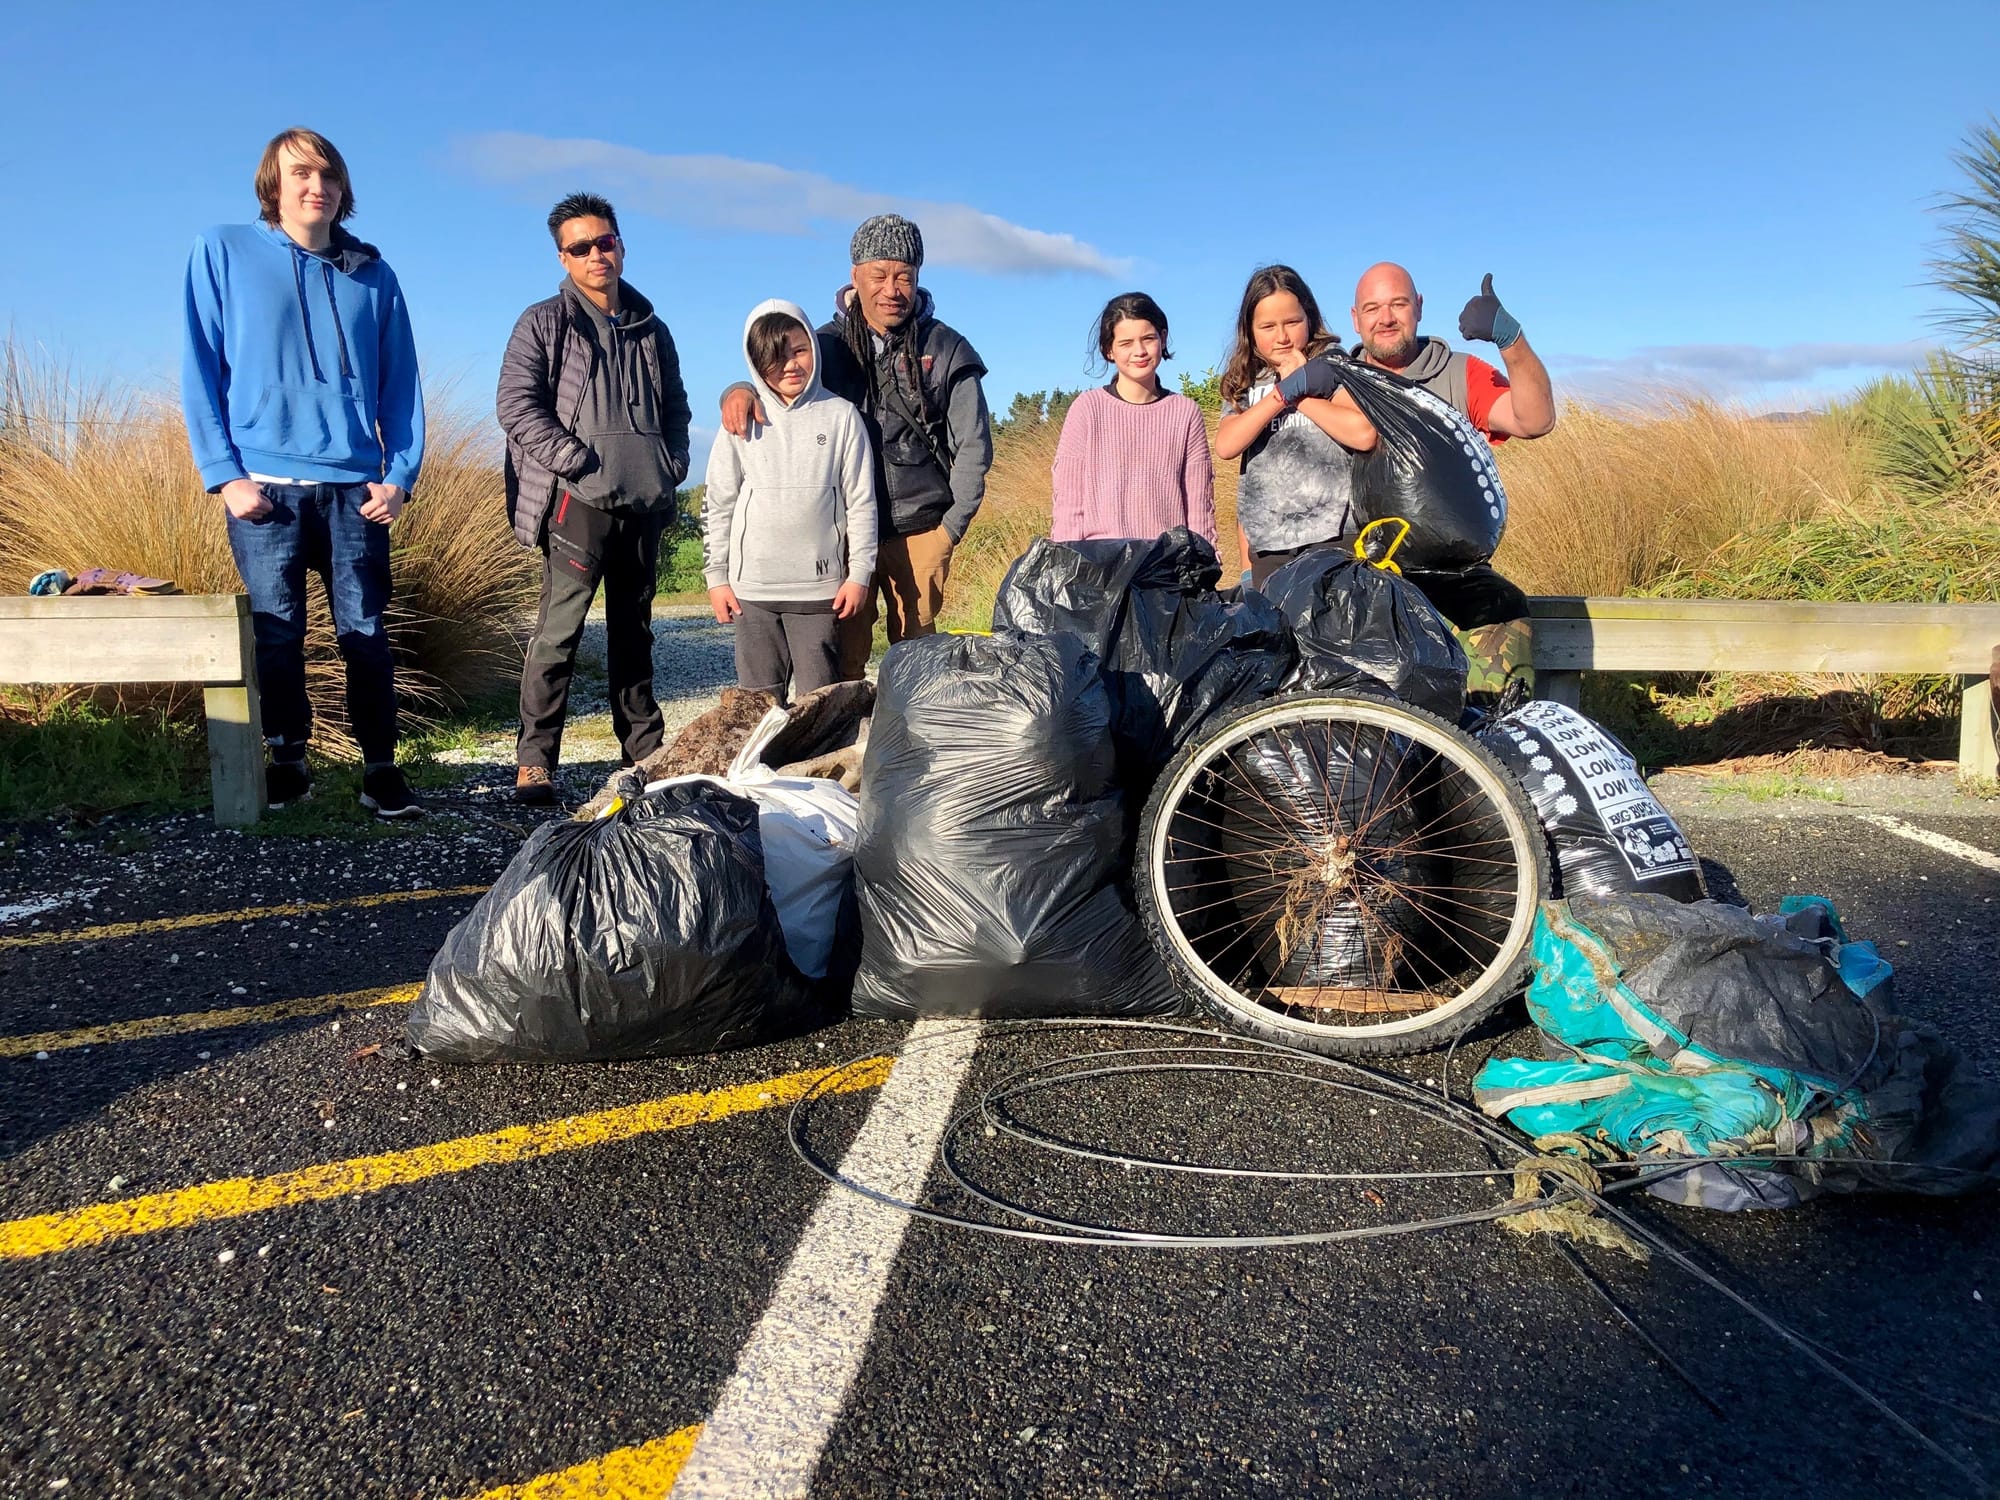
(1336, 865)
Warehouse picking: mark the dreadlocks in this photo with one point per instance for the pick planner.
(903, 358)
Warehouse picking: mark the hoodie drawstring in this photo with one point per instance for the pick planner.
(305, 316)
(346, 369)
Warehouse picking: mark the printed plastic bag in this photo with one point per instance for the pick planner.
(1173, 652)
(1361, 628)
(1608, 832)
(642, 934)
(988, 864)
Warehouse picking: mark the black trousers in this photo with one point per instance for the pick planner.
(582, 547)
(778, 644)
(1264, 564)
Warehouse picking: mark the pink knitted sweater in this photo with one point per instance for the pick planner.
(1132, 471)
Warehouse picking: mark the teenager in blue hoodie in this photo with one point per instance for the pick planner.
(305, 414)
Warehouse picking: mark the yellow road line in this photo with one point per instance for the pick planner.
(217, 918)
(645, 1471)
(204, 1020)
(46, 1234)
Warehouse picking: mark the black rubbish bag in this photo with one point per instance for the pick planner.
(1608, 833)
(1360, 628)
(988, 863)
(1319, 834)
(644, 934)
(1172, 651)
(1431, 467)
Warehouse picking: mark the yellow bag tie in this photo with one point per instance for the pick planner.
(1387, 563)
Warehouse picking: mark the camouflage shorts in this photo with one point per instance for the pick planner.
(1499, 654)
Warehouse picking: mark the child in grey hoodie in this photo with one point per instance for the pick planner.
(789, 514)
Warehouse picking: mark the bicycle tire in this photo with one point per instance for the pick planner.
(1165, 828)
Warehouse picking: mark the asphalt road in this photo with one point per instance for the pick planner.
(462, 1312)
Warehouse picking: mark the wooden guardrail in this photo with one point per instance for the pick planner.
(118, 638)
(1576, 635)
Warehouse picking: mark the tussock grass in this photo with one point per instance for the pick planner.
(1016, 510)
(1614, 501)
(1878, 547)
(95, 476)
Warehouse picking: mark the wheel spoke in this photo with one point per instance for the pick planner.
(1256, 791)
(1472, 792)
(1403, 790)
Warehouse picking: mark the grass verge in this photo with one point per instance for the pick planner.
(62, 751)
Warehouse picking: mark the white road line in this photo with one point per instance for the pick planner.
(777, 1411)
(1935, 841)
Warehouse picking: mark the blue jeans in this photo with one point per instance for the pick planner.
(319, 526)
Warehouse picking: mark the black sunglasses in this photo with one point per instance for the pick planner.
(608, 243)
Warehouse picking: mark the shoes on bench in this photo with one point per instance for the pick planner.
(107, 581)
(386, 793)
(286, 782)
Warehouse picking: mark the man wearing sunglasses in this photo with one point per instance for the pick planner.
(597, 442)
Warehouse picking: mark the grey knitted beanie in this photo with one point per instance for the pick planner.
(888, 237)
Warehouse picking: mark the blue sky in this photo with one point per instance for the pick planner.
(1731, 196)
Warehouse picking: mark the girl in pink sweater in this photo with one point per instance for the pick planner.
(1133, 458)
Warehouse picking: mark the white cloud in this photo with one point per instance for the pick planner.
(1726, 369)
(726, 192)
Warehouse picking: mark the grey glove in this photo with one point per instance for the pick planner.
(1316, 377)
(1485, 319)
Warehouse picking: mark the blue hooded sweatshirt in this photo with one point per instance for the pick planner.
(298, 365)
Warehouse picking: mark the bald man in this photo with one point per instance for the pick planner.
(1489, 612)
(1386, 311)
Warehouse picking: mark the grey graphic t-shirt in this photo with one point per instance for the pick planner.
(1297, 486)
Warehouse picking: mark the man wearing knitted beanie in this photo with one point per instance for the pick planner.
(916, 382)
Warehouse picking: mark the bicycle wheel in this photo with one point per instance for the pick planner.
(1345, 874)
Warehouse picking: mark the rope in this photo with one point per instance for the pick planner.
(1559, 1211)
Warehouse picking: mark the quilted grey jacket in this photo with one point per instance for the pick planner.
(552, 358)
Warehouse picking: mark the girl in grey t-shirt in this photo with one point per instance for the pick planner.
(1298, 466)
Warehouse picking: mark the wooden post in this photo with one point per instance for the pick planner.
(236, 735)
(1978, 732)
(1565, 688)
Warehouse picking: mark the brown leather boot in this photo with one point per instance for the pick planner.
(534, 786)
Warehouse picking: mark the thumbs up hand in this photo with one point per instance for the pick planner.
(1485, 319)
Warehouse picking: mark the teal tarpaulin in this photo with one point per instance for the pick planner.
(1696, 1029)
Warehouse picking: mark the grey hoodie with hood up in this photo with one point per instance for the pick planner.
(789, 513)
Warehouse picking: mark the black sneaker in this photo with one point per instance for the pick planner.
(387, 795)
(286, 782)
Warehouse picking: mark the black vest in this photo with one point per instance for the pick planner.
(912, 465)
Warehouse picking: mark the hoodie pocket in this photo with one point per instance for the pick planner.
(793, 534)
(316, 421)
